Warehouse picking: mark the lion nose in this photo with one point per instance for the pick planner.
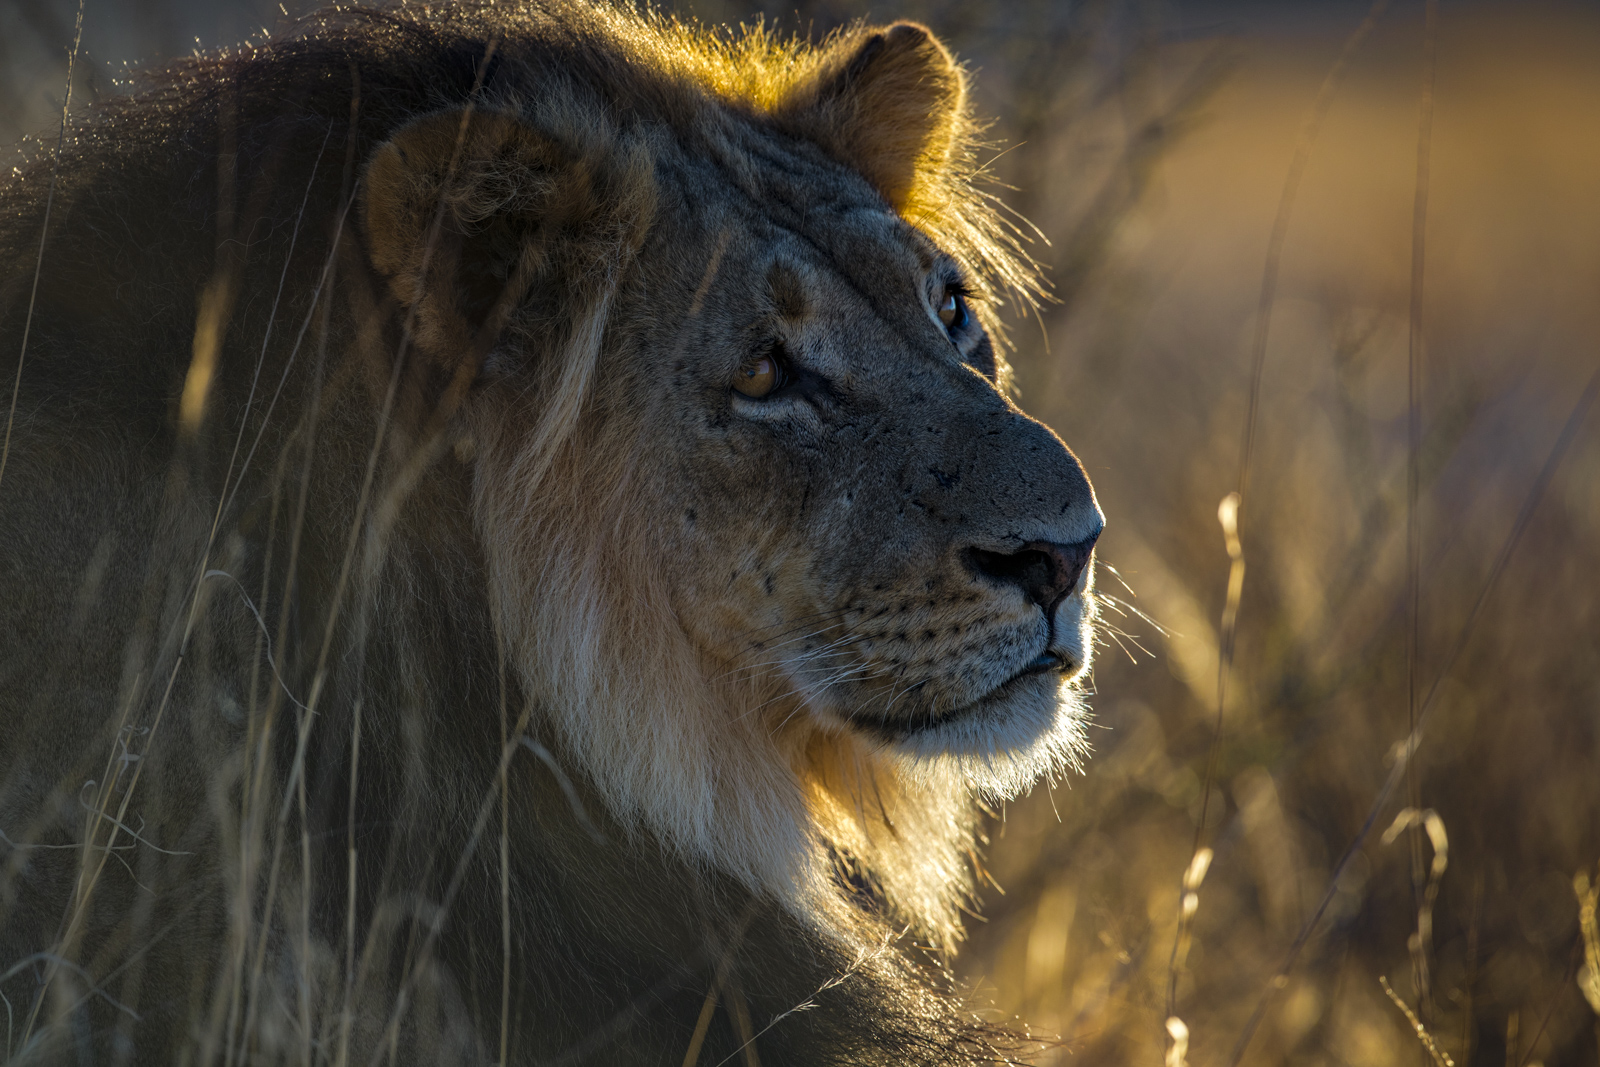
(1045, 571)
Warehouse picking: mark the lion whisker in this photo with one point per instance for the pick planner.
(781, 659)
(1122, 607)
(789, 626)
(1117, 636)
(837, 676)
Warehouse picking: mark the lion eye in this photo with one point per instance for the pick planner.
(758, 377)
(952, 310)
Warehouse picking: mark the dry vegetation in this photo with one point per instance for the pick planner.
(1151, 147)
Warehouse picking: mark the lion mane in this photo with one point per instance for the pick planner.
(414, 647)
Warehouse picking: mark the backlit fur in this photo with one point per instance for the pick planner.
(389, 507)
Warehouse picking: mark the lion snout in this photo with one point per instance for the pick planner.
(1046, 571)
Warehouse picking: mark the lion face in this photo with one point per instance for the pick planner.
(852, 509)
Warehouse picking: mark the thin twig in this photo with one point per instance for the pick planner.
(44, 232)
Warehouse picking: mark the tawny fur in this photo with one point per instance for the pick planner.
(418, 648)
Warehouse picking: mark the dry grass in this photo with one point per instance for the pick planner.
(1149, 381)
(1307, 935)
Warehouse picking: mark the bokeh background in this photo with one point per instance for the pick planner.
(1150, 144)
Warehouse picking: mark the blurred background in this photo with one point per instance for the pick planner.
(1151, 144)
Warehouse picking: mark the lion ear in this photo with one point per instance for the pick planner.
(473, 218)
(888, 102)
(445, 206)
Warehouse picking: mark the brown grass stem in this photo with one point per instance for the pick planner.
(1414, 372)
(458, 876)
(83, 888)
(346, 1018)
(1439, 1056)
(1411, 822)
(505, 863)
(1588, 894)
(702, 1026)
(44, 233)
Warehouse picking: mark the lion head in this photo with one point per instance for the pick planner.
(765, 528)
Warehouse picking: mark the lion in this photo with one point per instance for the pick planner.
(519, 547)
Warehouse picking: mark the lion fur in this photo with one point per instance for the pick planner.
(340, 713)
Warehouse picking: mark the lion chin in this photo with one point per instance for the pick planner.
(1028, 725)
(519, 543)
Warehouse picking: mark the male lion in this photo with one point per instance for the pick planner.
(516, 547)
